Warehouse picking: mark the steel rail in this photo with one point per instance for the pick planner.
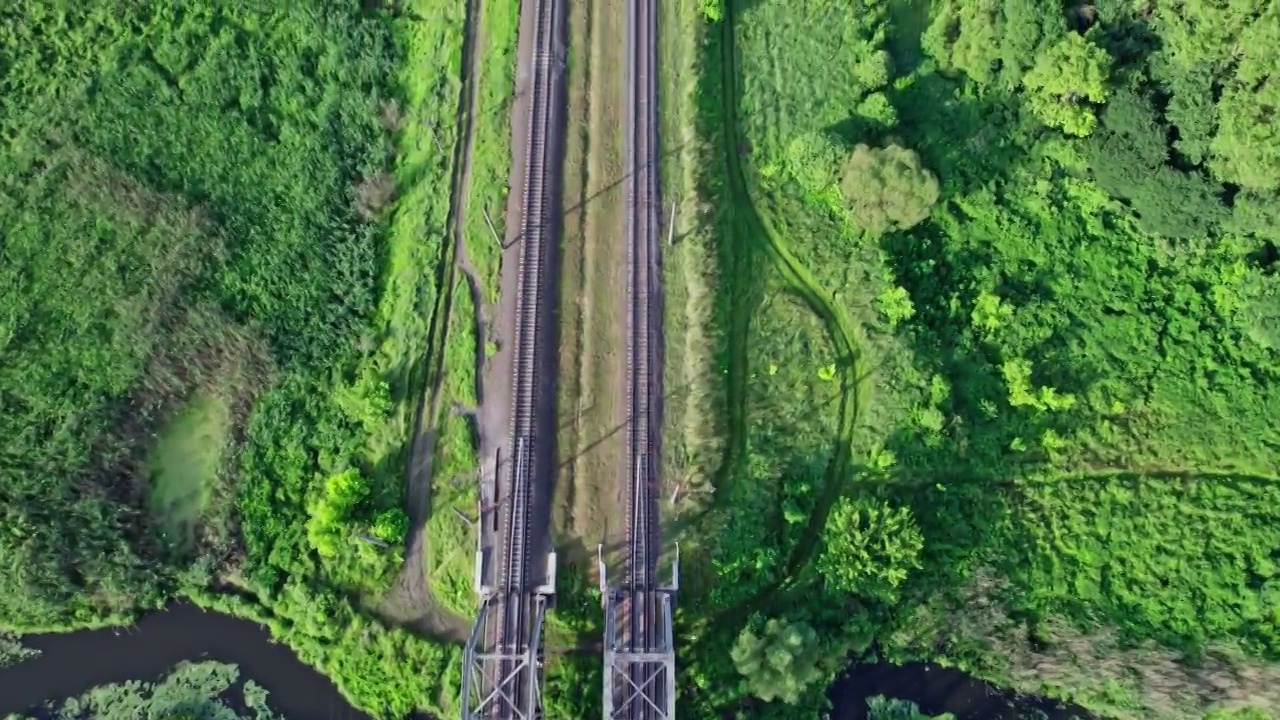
(641, 237)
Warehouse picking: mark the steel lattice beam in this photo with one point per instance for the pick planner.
(639, 681)
(500, 680)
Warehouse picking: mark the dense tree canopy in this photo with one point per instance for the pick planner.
(1066, 82)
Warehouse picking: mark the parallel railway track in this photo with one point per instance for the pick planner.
(641, 631)
(501, 674)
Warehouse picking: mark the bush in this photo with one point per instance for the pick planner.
(779, 662)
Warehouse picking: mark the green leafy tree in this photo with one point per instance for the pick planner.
(780, 661)
(391, 525)
(965, 36)
(332, 510)
(1067, 81)
(990, 38)
(895, 304)
(870, 547)
(1246, 150)
(1128, 154)
(1203, 33)
(887, 188)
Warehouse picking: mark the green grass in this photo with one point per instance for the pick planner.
(451, 542)
(1041, 504)
(185, 463)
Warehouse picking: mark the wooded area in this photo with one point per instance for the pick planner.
(997, 334)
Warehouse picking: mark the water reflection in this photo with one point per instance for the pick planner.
(939, 690)
(72, 663)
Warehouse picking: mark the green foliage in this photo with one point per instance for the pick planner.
(1244, 713)
(328, 527)
(814, 161)
(779, 661)
(93, 264)
(870, 548)
(990, 39)
(712, 10)
(887, 188)
(1067, 81)
(1172, 570)
(199, 691)
(1089, 346)
(12, 651)
(391, 526)
(895, 304)
(880, 707)
(184, 194)
(1129, 156)
(1247, 147)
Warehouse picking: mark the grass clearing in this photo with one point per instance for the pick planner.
(960, 416)
(185, 463)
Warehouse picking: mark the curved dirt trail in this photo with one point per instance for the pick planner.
(410, 599)
(801, 281)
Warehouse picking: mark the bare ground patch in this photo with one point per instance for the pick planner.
(590, 494)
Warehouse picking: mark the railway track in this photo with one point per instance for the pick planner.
(642, 608)
(501, 676)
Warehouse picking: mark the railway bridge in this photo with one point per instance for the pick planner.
(503, 656)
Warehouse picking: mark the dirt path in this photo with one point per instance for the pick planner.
(590, 494)
(411, 599)
(763, 230)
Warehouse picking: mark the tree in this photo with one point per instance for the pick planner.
(1246, 150)
(391, 525)
(332, 510)
(1203, 33)
(1129, 154)
(984, 38)
(870, 548)
(780, 662)
(887, 188)
(1066, 82)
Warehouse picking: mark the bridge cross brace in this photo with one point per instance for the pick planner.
(503, 682)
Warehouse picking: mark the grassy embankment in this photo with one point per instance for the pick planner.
(240, 244)
(943, 429)
(451, 543)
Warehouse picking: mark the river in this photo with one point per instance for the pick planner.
(939, 690)
(72, 663)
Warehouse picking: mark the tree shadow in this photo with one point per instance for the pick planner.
(966, 140)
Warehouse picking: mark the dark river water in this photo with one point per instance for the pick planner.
(939, 690)
(72, 663)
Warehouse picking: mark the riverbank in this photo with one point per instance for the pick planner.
(73, 663)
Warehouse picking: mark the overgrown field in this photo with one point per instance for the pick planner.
(223, 235)
(995, 287)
